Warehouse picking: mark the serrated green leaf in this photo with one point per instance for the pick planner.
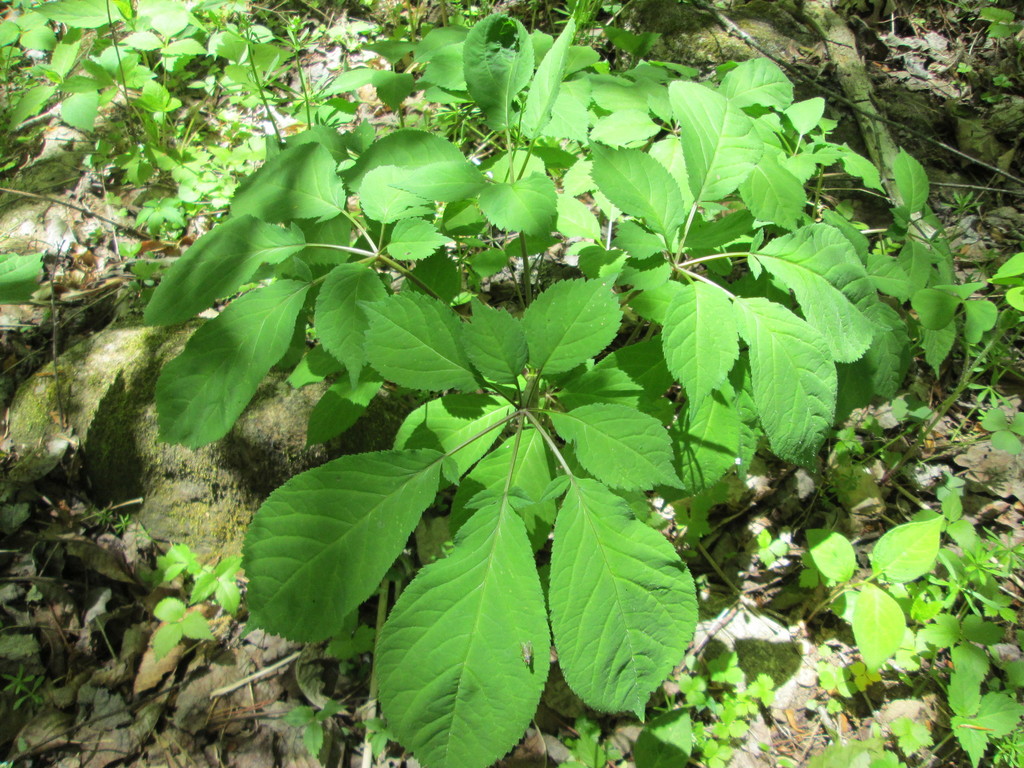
(805, 115)
(641, 187)
(546, 83)
(382, 198)
(700, 338)
(576, 220)
(408, 149)
(832, 554)
(202, 391)
(298, 183)
(618, 445)
(448, 422)
(570, 114)
(718, 140)
(634, 375)
(195, 626)
(528, 205)
(911, 181)
(878, 626)
(774, 194)
(937, 345)
(341, 406)
(997, 717)
(907, 551)
(756, 82)
(415, 239)
(706, 437)
(794, 379)
(18, 276)
(624, 128)
(79, 110)
(498, 63)
(165, 638)
(170, 609)
(444, 182)
(496, 344)
(216, 265)
(456, 636)
(569, 323)
(339, 527)
(340, 322)
(623, 607)
(416, 341)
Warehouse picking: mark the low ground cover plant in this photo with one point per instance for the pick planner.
(716, 305)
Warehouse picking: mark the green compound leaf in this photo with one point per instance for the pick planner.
(498, 63)
(641, 187)
(634, 375)
(718, 140)
(408, 149)
(467, 627)
(700, 338)
(18, 276)
(706, 437)
(774, 194)
(907, 551)
(340, 407)
(299, 183)
(416, 341)
(758, 82)
(623, 607)
(382, 198)
(624, 128)
(529, 205)
(447, 422)
(415, 239)
(445, 182)
(619, 445)
(202, 391)
(216, 265)
(340, 321)
(569, 323)
(496, 343)
(997, 717)
(878, 626)
(322, 542)
(911, 181)
(546, 83)
(794, 379)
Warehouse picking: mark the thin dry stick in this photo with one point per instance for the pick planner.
(265, 672)
(72, 206)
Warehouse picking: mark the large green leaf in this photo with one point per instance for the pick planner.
(623, 607)
(18, 276)
(569, 323)
(448, 422)
(700, 338)
(496, 343)
(718, 140)
(382, 198)
(911, 181)
(758, 82)
(81, 14)
(409, 149)
(414, 239)
(498, 63)
(445, 181)
(774, 194)
(546, 83)
(462, 660)
(634, 375)
(416, 341)
(794, 379)
(907, 551)
(641, 187)
(706, 436)
(216, 265)
(298, 183)
(878, 625)
(527, 205)
(619, 445)
(322, 542)
(203, 390)
(340, 322)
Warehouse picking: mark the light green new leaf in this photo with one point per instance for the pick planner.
(805, 115)
(794, 379)
(468, 626)
(415, 239)
(448, 422)
(576, 220)
(570, 114)
(911, 181)
(907, 551)
(546, 83)
(496, 343)
(497, 63)
(997, 717)
(700, 338)
(935, 308)
(382, 198)
(203, 390)
(82, 14)
(298, 183)
(832, 554)
(322, 542)
(757, 82)
(18, 276)
(528, 205)
(79, 110)
(623, 607)
(878, 626)
(216, 265)
(774, 194)
(718, 140)
(618, 445)
(444, 182)
(416, 341)
(624, 128)
(340, 322)
(569, 323)
(641, 187)
(706, 437)
(341, 406)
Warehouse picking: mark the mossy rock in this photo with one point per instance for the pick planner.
(204, 497)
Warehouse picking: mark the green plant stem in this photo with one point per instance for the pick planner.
(262, 93)
(370, 708)
(695, 276)
(346, 249)
(392, 264)
(551, 443)
(712, 257)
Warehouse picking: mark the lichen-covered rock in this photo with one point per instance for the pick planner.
(205, 497)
